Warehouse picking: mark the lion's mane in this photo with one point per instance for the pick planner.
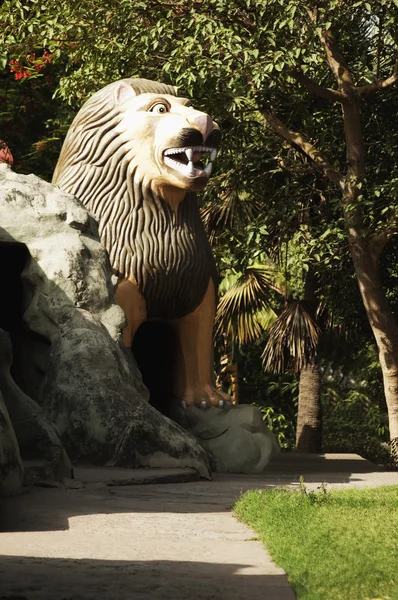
(167, 254)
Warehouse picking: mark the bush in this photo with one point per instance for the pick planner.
(354, 424)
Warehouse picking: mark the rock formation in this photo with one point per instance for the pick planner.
(236, 437)
(72, 388)
(69, 368)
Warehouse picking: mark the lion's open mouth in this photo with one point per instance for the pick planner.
(192, 161)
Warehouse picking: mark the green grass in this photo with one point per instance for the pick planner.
(339, 545)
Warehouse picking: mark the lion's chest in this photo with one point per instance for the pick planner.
(174, 276)
(168, 256)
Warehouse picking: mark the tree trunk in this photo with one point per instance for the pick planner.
(309, 414)
(365, 255)
(365, 252)
(309, 417)
(233, 371)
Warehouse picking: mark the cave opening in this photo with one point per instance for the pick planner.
(30, 350)
(155, 349)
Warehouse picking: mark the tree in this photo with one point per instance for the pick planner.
(293, 340)
(367, 233)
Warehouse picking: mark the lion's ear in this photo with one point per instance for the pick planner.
(123, 92)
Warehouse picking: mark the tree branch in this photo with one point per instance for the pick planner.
(318, 90)
(335, 58)
(380, 84)
(295, 138)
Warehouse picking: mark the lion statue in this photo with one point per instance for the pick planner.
(135, 155)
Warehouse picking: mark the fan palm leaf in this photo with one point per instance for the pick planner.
(293, 338)
(244, 311)
(229, 212)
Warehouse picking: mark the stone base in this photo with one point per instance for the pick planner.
(118, 476)
(235, 437)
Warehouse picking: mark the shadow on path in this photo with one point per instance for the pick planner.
(40, 509)
(65, 579)
(160, 542)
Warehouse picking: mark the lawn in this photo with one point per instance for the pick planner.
(338, 545)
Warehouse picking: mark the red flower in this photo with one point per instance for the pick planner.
(47, 56)
(20, 72)
(40, 145)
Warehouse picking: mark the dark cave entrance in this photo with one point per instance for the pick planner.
(155, 348)
(30, 349)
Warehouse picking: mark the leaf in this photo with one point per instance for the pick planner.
(245, 308)
(293, 338)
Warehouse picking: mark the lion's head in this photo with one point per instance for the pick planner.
(135, 155)
(166, 141)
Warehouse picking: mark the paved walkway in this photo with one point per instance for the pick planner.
(161, 541)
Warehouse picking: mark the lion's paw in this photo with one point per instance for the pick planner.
(207, 397)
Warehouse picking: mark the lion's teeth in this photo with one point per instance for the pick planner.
(208, 168)
(213, 155)
(189, 153)
(190, 168)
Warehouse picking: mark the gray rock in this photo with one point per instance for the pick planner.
(69, 356)
(93, 398)
(11, 468)
(36, 435)
(69, 267)
(236, 437)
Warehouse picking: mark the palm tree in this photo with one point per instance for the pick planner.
(293, 341)
(245, 312)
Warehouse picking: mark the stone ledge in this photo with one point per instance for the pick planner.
(118, 476)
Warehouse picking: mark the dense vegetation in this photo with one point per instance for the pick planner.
(302, 209)
(338, 545)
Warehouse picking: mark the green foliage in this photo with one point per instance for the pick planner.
(354, 413)
(30, 120)
(324, 539)
(280, 425)
(353, 424)
(275, 396)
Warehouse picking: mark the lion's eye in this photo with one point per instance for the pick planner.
(159, 108)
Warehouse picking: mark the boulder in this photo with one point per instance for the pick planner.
(36, 435)
(65, 332)
(11, 468)
(92, 392)
(236, 437)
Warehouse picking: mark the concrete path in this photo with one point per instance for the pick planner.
(95, 540)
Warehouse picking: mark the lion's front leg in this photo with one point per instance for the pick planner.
(194, 377)
(133, 303)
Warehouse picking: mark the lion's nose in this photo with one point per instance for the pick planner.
(204, 124)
